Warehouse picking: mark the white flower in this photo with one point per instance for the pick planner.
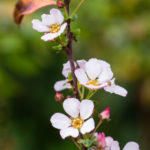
(64, 84)
(95, 74)
(114, 145)
(78, 112)
(51, 25)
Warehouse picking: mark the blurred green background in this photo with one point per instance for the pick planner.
(117, 31)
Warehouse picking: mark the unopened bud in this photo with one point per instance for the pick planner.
(105, 114)
(60, 4)
(59, 97)
(68, 96)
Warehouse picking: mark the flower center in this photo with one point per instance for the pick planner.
(77, 123)
(93, 82)
(55, 28)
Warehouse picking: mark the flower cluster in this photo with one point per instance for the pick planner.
(91, 76)
(108, 143)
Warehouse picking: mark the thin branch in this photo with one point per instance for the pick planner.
(69, 52)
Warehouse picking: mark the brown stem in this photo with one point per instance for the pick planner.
(69, 52)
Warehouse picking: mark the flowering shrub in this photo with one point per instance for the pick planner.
(84, 79)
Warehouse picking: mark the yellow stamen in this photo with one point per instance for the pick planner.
(55, 28)
(77, 123)
(93, 82)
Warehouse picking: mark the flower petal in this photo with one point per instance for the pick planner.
(67, 68)
(49, 36)
(81, 63)
(56, 13)
(52, 36)
(81, 76)
(106, 75)
(61, 85)
(111, 144)
(93, 68)
(131, 146)
(69, 132)
(48, 19)
(60, 121)
(39, 26)
(88, 126)
(71, 107)
(116, 89)
(86, 109)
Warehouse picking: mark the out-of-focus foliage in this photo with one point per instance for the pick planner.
(116, 31)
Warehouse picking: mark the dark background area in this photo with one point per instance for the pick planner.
(116, 31)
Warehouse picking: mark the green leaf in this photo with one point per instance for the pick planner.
(70, 76)
(57, 47)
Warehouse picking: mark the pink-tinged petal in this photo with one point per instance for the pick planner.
(93, 68)
(69, 132)
(88, 126)
(104, 64)
(71, 107)
(81, 63)
(105, 114)
(66, 69)
(62, 85)
(56, 13)
(116, 90)
(60, 121)
(111, 144)
(81, 76)
(86, 109)
(105, 75)
(131, 146)
(39, 26)
(49, 37)
(115, 146)
(52, 36)
(48, 19)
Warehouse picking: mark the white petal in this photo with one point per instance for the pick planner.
(39, 26)
(116, 89)
(66, 69)
(56, 13)
(106, 75)
(48, 19)
(81, 63)
(88, 126)
(86, 109)
(61, 85)
(131, 146)
(52, 36)
(81, 76)
(71, 107)
(111, 144)
(49, 36)
(93, 68)
(69, 132)
(60, 121)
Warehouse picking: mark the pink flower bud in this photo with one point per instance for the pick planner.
(100, 139)
(59, 97)
(60, 4)
(105, 114)
(68, 96)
